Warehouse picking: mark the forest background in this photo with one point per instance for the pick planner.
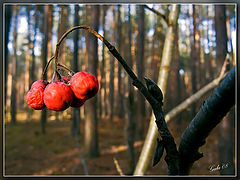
(44, 143)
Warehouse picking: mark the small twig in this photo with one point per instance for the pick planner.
(119, 170)
(66, 68)
(45, 69)
(157, 12)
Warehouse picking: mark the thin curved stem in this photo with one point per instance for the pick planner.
(45, 69)
(65, 67)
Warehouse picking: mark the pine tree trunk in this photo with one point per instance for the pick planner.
(119, 108)
(129, 105)
(103, 70)
(8, 16)
(111, 82)
(14, 68)
(76, 111)
(195, 54)
(140, 73)
(91, 122)
(44, 62)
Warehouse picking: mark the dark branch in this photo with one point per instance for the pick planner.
(157, 12)
(172, 157)
(210, 114)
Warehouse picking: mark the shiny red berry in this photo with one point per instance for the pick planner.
(84, 85)
(58, 96)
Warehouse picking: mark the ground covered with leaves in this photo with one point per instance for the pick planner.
(29, 152)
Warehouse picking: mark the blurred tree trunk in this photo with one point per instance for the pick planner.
(111, 82)
(225, 130)
(221, 35)
(173, 93)
(76, 111)
(14, 68)
(28, 59)
(140, 73)
(49, 44)
(195, 56)
(91, 122)
(62, 28)
(129, 104)
(8, 15)
(120, 111)
(44, 61)
(103, 70)
(32, 69)
(27, 73)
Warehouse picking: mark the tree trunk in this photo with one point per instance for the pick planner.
(50, 53)
(111, 82)
(225, 130)
(32, 72)
(221, 35)
(62, 28)
(8, 16)
(140, 73)
(91, 130)
(103, 70)
(44, 61)
(76, 111)
(119, 108)
(14, 68)
(129, 105)
(152, 133)
(195, 55)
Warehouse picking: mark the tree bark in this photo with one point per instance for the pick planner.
(195, 56)
(111, 82)
(44, 61)
(14, 68)
(76, 111)
(140, 71)
(129, 105)
(210, 114)
(120, 110)
(103, 70)
(150, 139)
(91, 122)
(8, 16)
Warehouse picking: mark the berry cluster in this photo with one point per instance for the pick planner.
(58, 96)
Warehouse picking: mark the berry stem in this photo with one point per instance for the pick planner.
(45, 69)
(66, 68)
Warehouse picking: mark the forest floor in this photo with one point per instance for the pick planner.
(29, 152)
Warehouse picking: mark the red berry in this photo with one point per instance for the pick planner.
(77, 102)
(84, 85)
(57, 96)
(40, 83)
(34, 98)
